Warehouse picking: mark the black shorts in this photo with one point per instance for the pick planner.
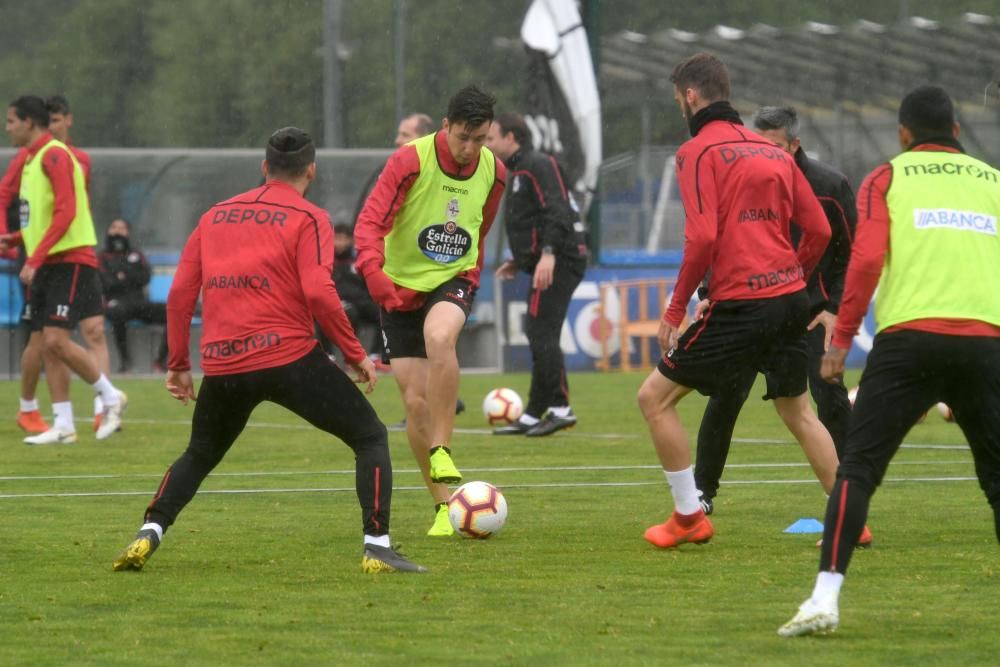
(403, 330)
(63, 294)
(766, 335)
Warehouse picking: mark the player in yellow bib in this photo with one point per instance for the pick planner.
(61, 270)
(927, 238)
(419, 238)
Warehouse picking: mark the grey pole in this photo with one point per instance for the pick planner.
(332, 110)
(399, 53)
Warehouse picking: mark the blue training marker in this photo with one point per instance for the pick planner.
(805, 526)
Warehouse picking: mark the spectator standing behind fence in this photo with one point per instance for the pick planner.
(546, 239)
(361, 310)
(125, 274)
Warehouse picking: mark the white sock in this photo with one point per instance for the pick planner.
(107, 391)
(98, 405)
(562, 411)
(157, 528)
(527, 419)
(63, 416)
(827, 587)
(29, 406)
(684, 490)
(379, 541)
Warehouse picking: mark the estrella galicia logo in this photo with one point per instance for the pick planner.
(24, 213)
(444, 243)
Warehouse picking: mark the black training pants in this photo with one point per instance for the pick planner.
(311, 387)
(543, 326)
(908, 372)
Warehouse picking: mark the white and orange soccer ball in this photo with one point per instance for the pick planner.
(502, 406)
(477, 510)
(945, 412)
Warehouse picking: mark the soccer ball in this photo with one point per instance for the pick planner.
(502, 406)
(477, 510)
(945, 412)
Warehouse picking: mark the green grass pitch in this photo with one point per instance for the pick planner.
(263, 567)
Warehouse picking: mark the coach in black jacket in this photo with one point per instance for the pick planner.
(547, 241)
(826, 285)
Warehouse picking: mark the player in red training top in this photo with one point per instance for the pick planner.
(29, 417)
(420, 248)
(262, 262)
(57, 231)
(740, 194)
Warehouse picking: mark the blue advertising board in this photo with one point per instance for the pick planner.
(585, 328)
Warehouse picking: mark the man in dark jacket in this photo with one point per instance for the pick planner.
(547, 241)
(781, 125)
(125, 274)
(351, 289)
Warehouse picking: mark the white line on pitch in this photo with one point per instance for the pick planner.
(547, 485)
(290, 473)
(485, 431)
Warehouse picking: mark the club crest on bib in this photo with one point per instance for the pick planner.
(445, 242)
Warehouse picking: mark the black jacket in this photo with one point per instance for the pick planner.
(826, 285)
(124, 275)
(539, 211)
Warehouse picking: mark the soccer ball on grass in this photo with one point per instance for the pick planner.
(502, 406)
(477, 510)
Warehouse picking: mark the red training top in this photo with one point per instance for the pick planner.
(740, 193)
(59, 168)
(379, 213)
(868, 257)
(262, 262)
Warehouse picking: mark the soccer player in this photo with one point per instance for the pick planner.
(262, 262)
(826, 284)
(29, 418)
(547, 242)
(740, 193)
(420, 248)
(61, 268)
(927, 238)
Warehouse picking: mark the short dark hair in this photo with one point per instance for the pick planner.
(57, 104)
(778, 118)
(514, 124)
(289, 153)
(705, 73)
(927, 111)
(33, 107)
(471, 106)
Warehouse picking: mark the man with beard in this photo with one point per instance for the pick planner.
(740, 194)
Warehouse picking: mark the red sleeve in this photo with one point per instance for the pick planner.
(490, 209)
(379, 212)
(314, 257)
(701, 226)
(181, 303)
(808, 214)
(83, 158)
(867, 255)
(58, 166)
(10, 184)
